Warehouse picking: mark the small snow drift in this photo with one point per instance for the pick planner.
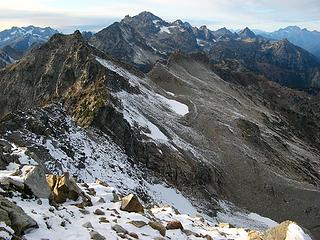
(178, 107)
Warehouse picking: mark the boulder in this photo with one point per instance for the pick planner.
(87, 225)
(225, 225)
(119, 229)
(131, 203)
(15, 217)
(138, 224)
(10, 182)
(254, 235)
(174, 225)
(102, 183)
(96, 236)
(190, 233)
(63, 188)
(99, 212)
(158, 226)
(286, 230)
(103, 220)
(133, 235)
(35, 180)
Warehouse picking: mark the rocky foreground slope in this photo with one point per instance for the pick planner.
(56, 207)
(251, 142)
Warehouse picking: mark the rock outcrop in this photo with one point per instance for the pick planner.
(63, 188)
(15, 217)
(35, 179)
(286, 230)
(131, 203)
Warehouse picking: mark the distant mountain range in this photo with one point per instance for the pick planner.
(309, 40)
(144, 39)
(15, 42)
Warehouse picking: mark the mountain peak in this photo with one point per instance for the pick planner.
(203, 27)
(247, 33)
(147, 15)
(293, 28)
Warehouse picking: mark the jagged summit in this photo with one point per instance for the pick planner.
(247, 33)
(143, 16)
(291, 28)
(63, 68)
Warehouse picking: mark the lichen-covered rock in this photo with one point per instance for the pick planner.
(99, 212)
(138, 224)
(15, 217)
(35, 180)
(131, 203)
(286, 230)
(119, 229)
(96, 236)
(174, 225)
(63, 188)
(158, 226)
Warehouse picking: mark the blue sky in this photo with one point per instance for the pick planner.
(68, 15)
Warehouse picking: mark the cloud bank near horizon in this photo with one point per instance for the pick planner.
(96, 14)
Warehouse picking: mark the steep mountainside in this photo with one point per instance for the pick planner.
(144, 39)
(9, 55)
(246, 34)
(255, 144)
(304, 38)
(281, 61)
(125, 43)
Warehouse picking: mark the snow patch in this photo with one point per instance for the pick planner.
(165, 29)
(296, 233)
(23, 157)
(178, 107)
(166, 195)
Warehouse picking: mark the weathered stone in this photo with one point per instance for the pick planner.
(158, 226)
(225, 225)
(115, 197)
(138, 224)
(4, 217)
(84, 211)
(174, 225)
(208, 237)
(253, 235)
(96, 236)
(92, 192)
(102, 183)
(51, 180)
(99, 212)
(190, 233)
(103, 220)
(87, 225)
(15, 217)
(279, 232)
(131, 203)
(134, 235)
(35, 180)
(9, 182)
(63, 188)
(119, 229)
